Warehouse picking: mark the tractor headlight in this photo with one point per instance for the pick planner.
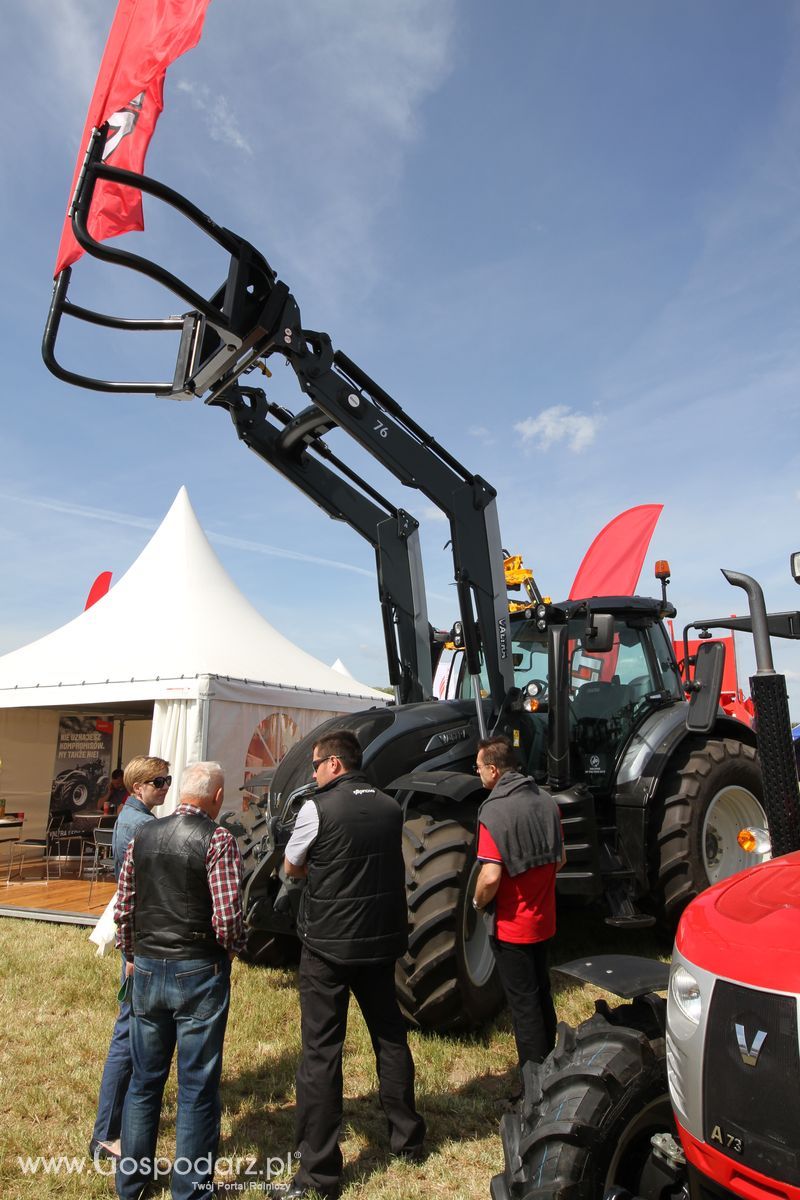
(686, 993)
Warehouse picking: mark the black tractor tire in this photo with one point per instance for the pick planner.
(77, 793)
(264, 947)
(589, 1112)
(447, 981)
(267, 949)
(708, 790)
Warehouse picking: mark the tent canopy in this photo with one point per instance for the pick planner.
(176, 641)
(157, 642)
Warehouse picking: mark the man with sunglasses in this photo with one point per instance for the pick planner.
(353, 923)
(147, 783)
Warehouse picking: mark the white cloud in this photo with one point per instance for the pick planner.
(338, 114)
(80, 510)
(483, 434)
(559, 424)
(219, 119)
(127, 519)
(73, 32)
(431, 513)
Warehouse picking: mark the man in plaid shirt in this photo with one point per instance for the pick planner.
(179, 915)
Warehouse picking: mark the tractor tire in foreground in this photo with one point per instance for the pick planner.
(264, 948)
(710, 792)
(447, 981)
(589, 1111)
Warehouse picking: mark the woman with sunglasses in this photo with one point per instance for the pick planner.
(147, 783)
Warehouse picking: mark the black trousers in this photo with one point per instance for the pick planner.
(325, 989)
(523, 973)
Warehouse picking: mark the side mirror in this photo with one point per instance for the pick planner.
(706, 687)
(794, 565)
(599, 633)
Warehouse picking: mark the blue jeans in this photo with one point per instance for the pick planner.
(116, 1076)
(181, 1002)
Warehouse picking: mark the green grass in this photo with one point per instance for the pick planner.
(58, 1003)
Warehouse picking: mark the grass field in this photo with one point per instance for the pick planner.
(58, 1002)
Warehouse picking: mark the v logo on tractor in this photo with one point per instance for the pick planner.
(749, 1053)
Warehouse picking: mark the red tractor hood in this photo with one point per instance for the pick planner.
(748, 927)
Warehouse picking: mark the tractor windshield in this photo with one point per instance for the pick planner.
(610, 692)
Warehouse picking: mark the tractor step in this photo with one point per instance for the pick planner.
(634, 921)
(623, 913)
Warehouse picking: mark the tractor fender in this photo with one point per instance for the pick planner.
(445, 787)
(647, 756)
(646, 762)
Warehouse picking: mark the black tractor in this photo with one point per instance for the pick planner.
(650, 809)
(588, 690)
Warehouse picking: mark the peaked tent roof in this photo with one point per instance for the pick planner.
(148, 639)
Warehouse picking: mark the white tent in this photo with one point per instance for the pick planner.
(174, 638)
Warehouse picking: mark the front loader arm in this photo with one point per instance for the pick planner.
(253, 316)
(292, 446)
(349, 399)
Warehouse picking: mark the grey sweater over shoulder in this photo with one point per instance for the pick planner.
(524, 823)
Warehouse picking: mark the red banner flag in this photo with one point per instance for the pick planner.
(145, 37)
(98, 589)
(613, 562)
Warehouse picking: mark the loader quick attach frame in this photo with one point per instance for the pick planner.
(252, 316)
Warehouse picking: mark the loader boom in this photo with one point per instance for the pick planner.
(294, 447)
(253, 316)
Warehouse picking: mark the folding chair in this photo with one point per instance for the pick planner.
(103, 860)
(24, 849)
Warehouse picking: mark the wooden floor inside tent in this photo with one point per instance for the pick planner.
(61, 900)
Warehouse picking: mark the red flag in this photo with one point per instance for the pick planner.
(98, 589)
(145, 37)
(613, 562)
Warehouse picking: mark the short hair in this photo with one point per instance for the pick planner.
(498, 752)
(202, 780)
(117, 773)
(142, 769)
(343, 745)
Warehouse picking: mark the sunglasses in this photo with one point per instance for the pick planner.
(160, 781)
(316, 763)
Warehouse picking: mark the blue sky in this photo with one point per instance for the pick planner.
(564, 236)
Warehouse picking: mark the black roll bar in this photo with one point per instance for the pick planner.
(222, 335)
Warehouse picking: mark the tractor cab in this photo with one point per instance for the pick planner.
(610, 691)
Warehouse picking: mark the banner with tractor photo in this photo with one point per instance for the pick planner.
(82, 763)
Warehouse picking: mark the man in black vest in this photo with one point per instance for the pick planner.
(353, 923)
(179, 914)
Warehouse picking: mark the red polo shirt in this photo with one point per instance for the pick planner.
(525, 904)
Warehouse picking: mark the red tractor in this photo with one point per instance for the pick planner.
(692, 1097)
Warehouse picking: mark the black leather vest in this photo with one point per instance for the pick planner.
(353, 908)
(172, 915)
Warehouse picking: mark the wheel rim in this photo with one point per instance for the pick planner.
(476, 950)
(731, 809)
(633, 1146)
(80, 794)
